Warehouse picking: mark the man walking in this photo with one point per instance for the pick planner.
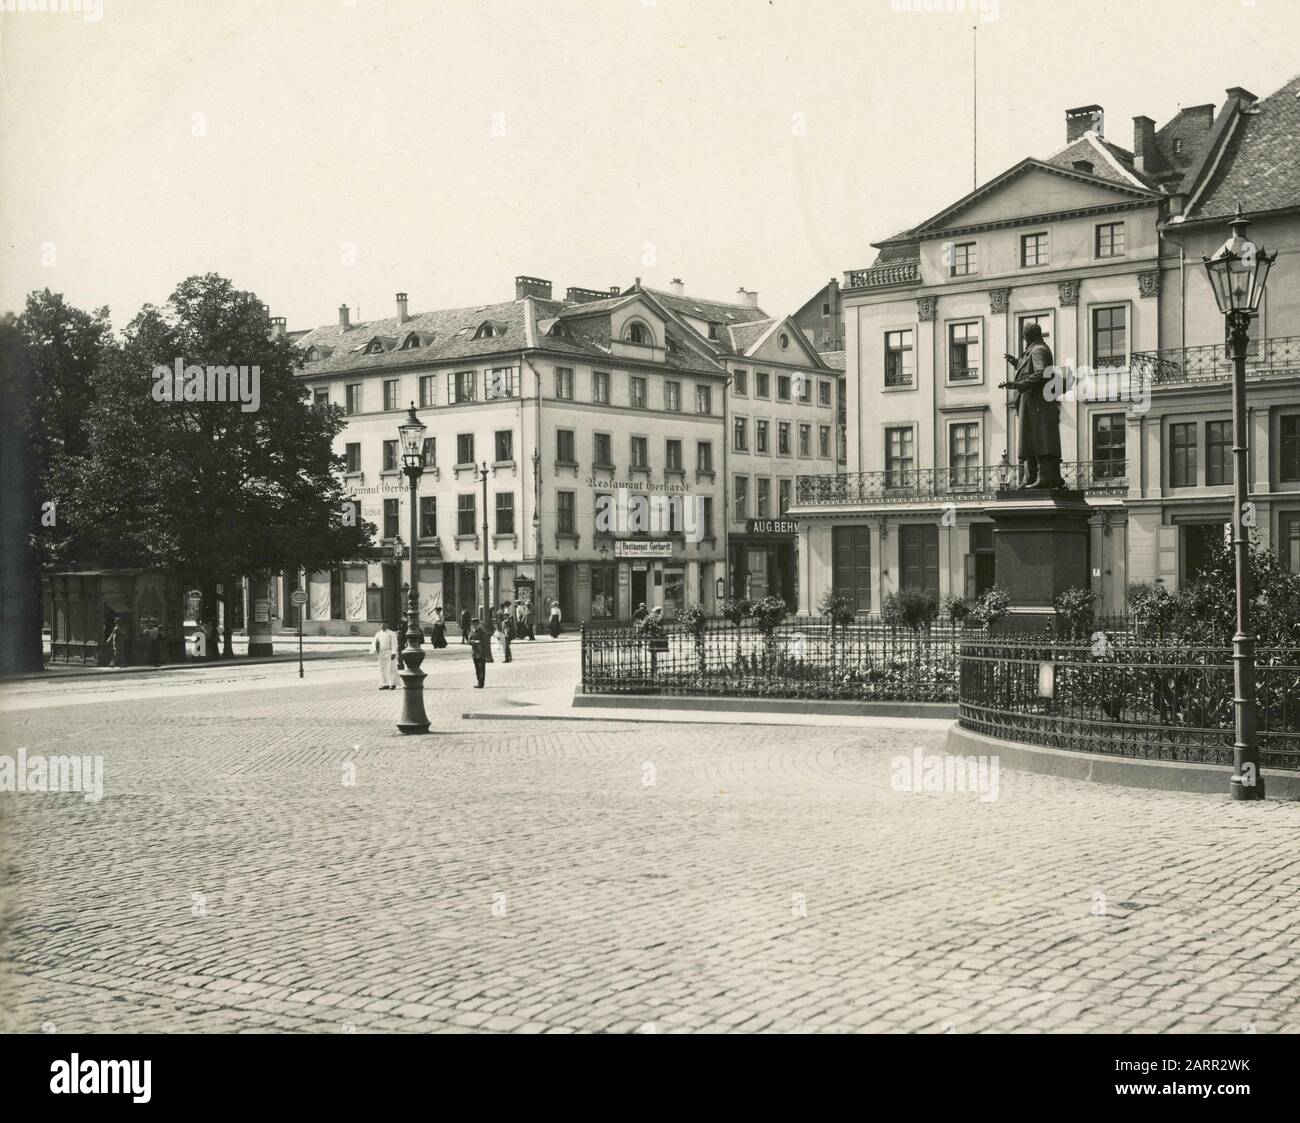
(464, 625)
(384, 647)
(478, 647)
(507, 627)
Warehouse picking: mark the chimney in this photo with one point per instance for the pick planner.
(1144, 144)
(576, 295)
(678, 288)
(614, 290)
(1242, 94)
(402, 315)
(277, 327)
(1082, 119)
(343, 317)
(532, 286)
(749, 299)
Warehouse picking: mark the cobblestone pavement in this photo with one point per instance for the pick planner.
(272, 855)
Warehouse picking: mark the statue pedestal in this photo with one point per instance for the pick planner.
(1040, 549)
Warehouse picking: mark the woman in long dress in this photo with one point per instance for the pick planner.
(555, 620)
(439, 628)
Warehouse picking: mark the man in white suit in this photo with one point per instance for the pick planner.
(385, 647)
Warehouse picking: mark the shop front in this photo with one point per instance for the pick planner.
(764, 561)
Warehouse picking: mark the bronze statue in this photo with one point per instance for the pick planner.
(1038, 418)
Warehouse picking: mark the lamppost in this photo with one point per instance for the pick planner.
(1238, 271)
(487, 571)
(413, 718)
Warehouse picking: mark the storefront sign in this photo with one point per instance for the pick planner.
(772, 526)
(648, 548)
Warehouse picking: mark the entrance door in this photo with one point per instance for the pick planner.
(639, 588)
(757, 566)
(392, 594)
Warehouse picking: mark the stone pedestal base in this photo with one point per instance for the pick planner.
(1040, 549)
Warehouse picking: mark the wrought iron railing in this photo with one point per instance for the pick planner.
(1211, 362)
(1129, 696)
(912, 485)
(904, 273)
(860, 661)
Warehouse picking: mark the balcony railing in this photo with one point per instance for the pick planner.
(1211, 363)
(918, 485)
(906, 273)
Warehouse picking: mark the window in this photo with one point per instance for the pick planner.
(704, 456)
(1289, 448)
(600, 387)
(706, 517)
(673, 397)
(782, 387)
(465, 515)
(1109, 337)
(898, 358)
(501, 383)
(713, 329)
(899, 457)
(601, 444)
(804, 384)
(740, 434)
(564, 382)
(565, 512)
(742, 498)
(564, 447)
(704, 399)
(640, 453)
(760, 434)
(964, 260)
(390, 518)
(761, 384)
(824, 441)
(460, 386)
(918, 553)
(1110, 239)
(1182, 454)
(505, 512)
(740, 383)
(428, 516)
(1218, 453)
(464, 448)
(352, 459)
(782, 496)
(805, 440)
(390, 456)
(352, 398)
(823, 393)
(638, 333)
(673, 455)
(321, 396)
(1289, 541)
(1033, 250)
(964, 352)
(638, 392)
(783, 438)
(964, 454)
(391, 386)
(851, 565)
(504, 445)
(1042, 319)
(1108, 449)
(426, 390)
(763, 497)
(429, 452)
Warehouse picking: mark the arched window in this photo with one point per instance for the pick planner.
(637, 332)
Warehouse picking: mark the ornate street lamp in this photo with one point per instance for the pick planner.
(413, 718)
(482, 474)
(1238, 271)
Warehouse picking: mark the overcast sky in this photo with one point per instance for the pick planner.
(322, 152)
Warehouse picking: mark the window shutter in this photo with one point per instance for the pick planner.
(1167, 556)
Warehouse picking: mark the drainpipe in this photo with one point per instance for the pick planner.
(537, 491)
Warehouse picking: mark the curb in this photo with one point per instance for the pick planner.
(822, 707)
(52, 674)
(1124, 771)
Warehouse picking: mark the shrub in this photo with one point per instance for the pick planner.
(736, 610)
(837, 608)
(651, 627)
(955, 608)
(693, 618)
(1074, 608)
(768, 614)
(911, 608)
(990, 607)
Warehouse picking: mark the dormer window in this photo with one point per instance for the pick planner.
(312, 356)
(637, 332)
(411, 343)
(713, 331)
(489, 330)
(374, 347)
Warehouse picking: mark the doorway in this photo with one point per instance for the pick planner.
(639, 596)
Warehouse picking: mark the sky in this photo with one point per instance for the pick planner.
(327, 152)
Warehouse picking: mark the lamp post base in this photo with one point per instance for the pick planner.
(413, 718)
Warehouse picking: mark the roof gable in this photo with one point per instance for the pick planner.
(797, 350)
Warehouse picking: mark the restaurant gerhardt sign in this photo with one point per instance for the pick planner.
(647, 548)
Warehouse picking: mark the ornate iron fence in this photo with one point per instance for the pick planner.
(860, 661)
(1130, 696)
(982, 481)
(1211, 362)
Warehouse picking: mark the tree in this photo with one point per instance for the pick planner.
(48, 357)
(209, 489)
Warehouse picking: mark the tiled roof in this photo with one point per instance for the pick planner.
(833, 359)
(1094, 149)
(715, 311)
(1260, 164)
(739, 338)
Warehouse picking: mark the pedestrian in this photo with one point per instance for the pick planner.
(464, 625)
(521, 624)
(479, 649)
(439, 628)
(555, 619)
(384, 646)
(530, 620)
(506, 630)
(118, 641)
(507, 619)
(640, 613)
(153, 637)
